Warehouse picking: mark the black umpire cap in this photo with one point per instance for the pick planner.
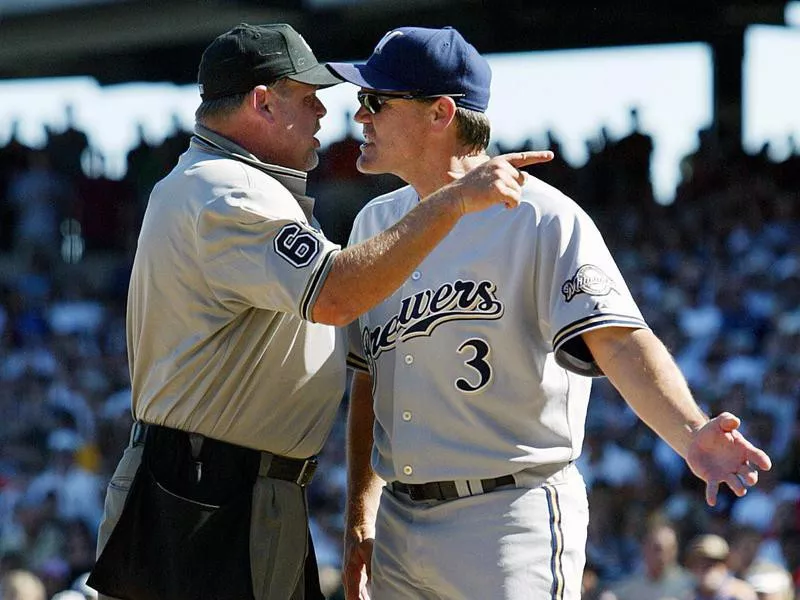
(251, 55)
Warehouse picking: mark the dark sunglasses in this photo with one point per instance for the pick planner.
(373, 103)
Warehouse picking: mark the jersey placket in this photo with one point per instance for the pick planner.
(409, 398)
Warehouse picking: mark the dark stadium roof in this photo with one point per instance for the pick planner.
(117, 41)
(124, 40)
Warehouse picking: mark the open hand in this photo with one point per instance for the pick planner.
(719, 453)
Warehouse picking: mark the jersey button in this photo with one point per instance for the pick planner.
(409, 359)
(407, 470)
(416, 275)
(406, 415)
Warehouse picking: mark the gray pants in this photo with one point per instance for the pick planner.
(278, 530)
(510, 544)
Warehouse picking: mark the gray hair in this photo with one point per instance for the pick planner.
(217, 108)
(220, 108)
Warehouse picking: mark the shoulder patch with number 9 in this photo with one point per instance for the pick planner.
(296, 245)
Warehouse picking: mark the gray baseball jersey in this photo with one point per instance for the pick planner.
(478, 366)
(220, 343)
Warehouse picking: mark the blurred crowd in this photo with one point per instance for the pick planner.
(716, 273)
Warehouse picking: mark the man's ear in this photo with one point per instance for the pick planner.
(262, 100)
(442, 113)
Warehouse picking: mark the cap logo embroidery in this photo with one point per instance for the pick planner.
(386, 38)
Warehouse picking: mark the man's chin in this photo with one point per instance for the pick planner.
(312, 162)
(367, 166)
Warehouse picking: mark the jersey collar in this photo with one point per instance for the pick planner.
(293, 180)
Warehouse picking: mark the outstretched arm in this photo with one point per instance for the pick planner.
(366, 274)
(642, 370)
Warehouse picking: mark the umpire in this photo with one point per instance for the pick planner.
(236, 368)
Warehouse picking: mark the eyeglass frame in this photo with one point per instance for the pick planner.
(381, 99)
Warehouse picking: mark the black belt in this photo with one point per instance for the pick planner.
(138, 433)
(300, 471)
(447, 490)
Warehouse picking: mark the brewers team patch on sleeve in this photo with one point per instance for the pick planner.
(591, 299)
(296, 245)
(590, 280)
(586, 290)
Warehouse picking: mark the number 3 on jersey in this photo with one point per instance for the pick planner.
(480, 352)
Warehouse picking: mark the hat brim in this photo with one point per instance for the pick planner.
(318, 75)
(364, 76)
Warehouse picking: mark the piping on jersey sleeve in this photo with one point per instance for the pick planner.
(582, 362)
(315, 285)
(356, 357)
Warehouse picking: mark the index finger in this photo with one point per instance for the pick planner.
(530, 157)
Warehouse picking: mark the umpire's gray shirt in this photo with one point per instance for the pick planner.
(228, 265)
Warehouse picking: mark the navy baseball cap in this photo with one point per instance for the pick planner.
(250, 55)
(427, 62)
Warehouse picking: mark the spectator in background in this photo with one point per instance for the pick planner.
(759, 507)
(78, 492)
(78, 551)
(604, 460)
(144, 169)
(21, 585)
(14, 159)
(770, 581)
(787, 534)
(706, 559)
(592, 585)
(66, 148)
(631, 162)
(35, 535)
(745, 544)
(39, 195)
(609, 548)
(778, 399)
(659, 575)
(174, 144)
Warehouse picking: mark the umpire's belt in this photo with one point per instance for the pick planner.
(300, 471)
(449, 490)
